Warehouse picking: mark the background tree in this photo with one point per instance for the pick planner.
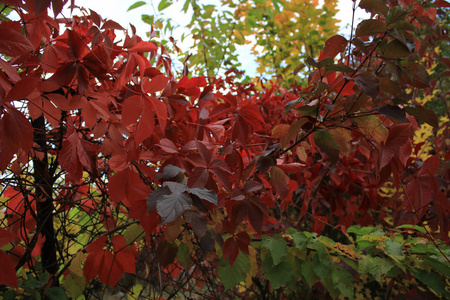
(282, 34)
(118, 172)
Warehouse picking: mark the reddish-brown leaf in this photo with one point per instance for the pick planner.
(12, 43)
(144, 47)
(230, 249)
(16, 134)
(168, 146)
(76, 154)
(441, 3)
(77, 47)
(6, 237)
(334, 45)
(8, 273)
(155, 84)
(368, 82)
(370, 27)
(22, 89)
(279, 181)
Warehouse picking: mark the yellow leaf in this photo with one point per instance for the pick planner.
(75, 264)
(253, 267)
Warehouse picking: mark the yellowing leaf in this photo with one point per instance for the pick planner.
(327, 144)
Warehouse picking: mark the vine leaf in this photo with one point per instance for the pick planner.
(13, 43)
(16, 135)
(76, 154)
(8, 273)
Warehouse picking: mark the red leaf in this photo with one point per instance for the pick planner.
(146, 124)
(126, 186)
(12, 43)
(430, 166)
(126, 73)
(64, 74)
(112, 25)
(203, 151)
(22, 89)
(441, 3)
(251, 114)
(76, 154)
(144, 47)
(335, 45)
(279, 181)
(10, 71)
(6, 237)
(255, 216)
(368, 82)
(168, 146)
(16, 134)
(8, 273)
(77, 47)
(398, 135)
(292, 168)
(230, 249)
(160, 110)
(198, 178)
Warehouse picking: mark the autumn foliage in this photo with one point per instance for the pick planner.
(113, 164)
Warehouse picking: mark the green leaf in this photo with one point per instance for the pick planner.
(376, 266)
(9, 295)
(308, 272)
(164, 4)
(278, 274)
(394, 248)
(231, 276)
(300, 240)
(396, 14)
(396, 49)
(415, 227)
(325, 62)
(148, 19)
(293, 103)
(33, 282)
(343, 281)
(370, 27)
(327, 144)
(74, 285)
(55, 293)
(183, 256)
(321, 265)
(134, 233)
(277, 247)
(186, 5)
(308, 110)
(136, 5)
(439, 264)
(432, 280)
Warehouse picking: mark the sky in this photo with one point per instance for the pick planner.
(116, 10)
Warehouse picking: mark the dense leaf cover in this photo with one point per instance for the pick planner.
(210, 187)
